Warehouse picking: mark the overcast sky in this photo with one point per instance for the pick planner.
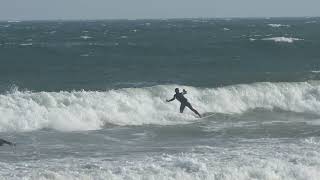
(135, 9)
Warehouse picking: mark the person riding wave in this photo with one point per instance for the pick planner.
(184, 101)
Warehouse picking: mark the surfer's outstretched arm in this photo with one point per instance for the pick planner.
(171, 99)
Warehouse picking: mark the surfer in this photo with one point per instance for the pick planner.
(184, 101)
(2, 142)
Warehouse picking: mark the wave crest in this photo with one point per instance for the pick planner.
(90, 110)
(282, 39)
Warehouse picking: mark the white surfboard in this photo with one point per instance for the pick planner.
(207, 115)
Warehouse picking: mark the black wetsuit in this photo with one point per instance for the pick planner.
(184, 102)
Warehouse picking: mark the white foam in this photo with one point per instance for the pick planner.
(228, 164)
(6, 26)
(313, 140)
(26, 44)
(13, 21)
(311, 22)
(85, 37)
(278, 25)
(89, 110)
(282, 39)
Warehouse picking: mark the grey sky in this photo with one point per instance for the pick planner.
(132, 9)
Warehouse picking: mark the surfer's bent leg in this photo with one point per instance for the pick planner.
(182, 106)
(192, 109)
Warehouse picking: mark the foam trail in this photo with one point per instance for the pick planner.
(90, 110)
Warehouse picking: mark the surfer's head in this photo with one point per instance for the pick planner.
(176, 90)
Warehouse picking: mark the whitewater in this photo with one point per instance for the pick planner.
(67, 135)
(92, 110)
(94, 134)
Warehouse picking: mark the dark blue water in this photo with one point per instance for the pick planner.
(87, 99)
(98, 55)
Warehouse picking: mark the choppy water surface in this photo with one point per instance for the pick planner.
(86, 99)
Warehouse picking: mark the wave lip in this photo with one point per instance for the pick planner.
(88, 110)
(282, 39)
(91, 110)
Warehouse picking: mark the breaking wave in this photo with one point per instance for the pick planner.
(282, 39)
(90, 110)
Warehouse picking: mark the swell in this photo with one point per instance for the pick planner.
(90, 110)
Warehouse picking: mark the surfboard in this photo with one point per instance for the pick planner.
(207, 115)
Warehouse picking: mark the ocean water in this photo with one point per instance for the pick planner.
(86, 99)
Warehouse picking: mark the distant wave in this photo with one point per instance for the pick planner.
(89, 110)
(6, 26)
(13, 21)
(26, 44)
(85, 37)
(278, 25)
(311, 22)
(282, 39)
